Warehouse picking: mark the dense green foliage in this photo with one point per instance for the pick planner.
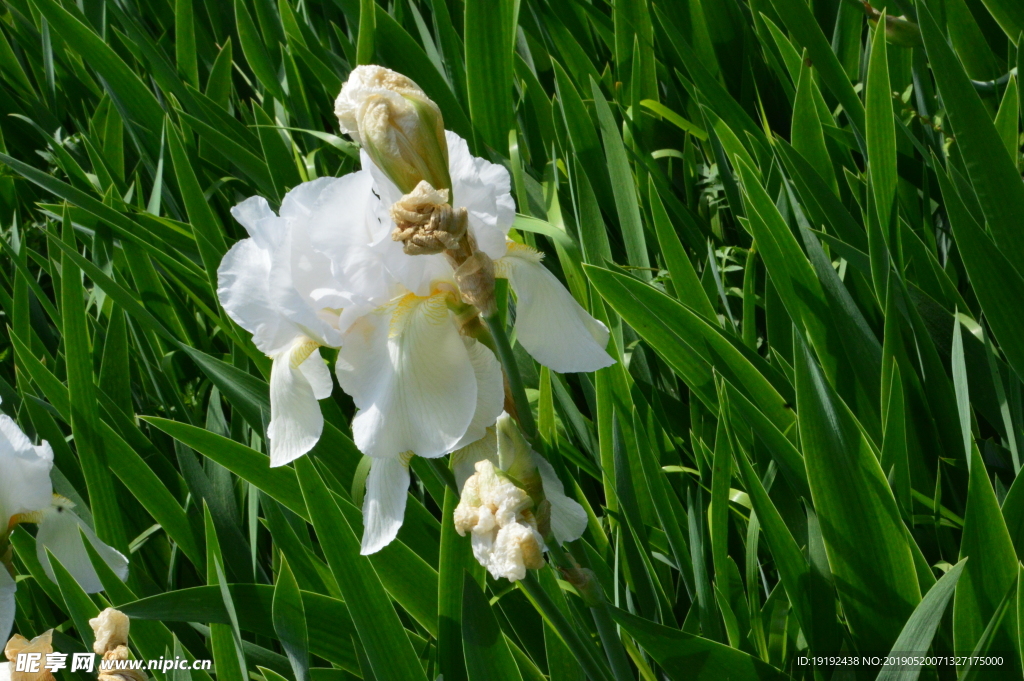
(804, 233)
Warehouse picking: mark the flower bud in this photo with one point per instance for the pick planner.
(41, 645)
(498, 515)
(515, 457)
(110, 630)
(397, 124)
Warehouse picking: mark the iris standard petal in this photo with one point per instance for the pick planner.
(296, 422)
(387, 487)
(244, 291)
(408, 371)
(7, 604)
(550, 324)
(60, 533)
(260, 221)
(24, 473)
(568, 518)
(484, 189)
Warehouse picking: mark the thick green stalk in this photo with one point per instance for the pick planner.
(515, 380)
(606, 629)
(588, 659)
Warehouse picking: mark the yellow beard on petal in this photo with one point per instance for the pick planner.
(435, 308)
(515, 250)
(302, 350)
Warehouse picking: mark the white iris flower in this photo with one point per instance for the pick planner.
(26, 496)
(326, 272)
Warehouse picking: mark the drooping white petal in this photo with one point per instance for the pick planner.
(387, 487)
(550, 324)
(24, 473)
(568, 518)
(60, 532)
(296, 421)
(409, 373)
(7, 606)
(319, 376)
(490, 391)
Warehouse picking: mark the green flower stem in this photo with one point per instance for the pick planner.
(584, 653)
(515, 380)
(595, 598)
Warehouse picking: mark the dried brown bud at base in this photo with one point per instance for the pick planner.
(42, 644)
(475, 277)
(425, 223)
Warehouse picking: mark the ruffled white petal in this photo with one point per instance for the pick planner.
(243, 287)
(259, 220)
(344, 226)
(490, 391)
(411, 376)
(59, 532)
(296, 421)
(24, 473)
(387, 486)
(7, 607)
(550, 324)
(266, 282)
(301, 202)
(568, 518)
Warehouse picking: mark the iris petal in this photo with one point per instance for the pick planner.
(387, 486)
(550, 324)
(298, 378)
(409, 372)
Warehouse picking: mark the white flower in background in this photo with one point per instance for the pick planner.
(26, 496)
(60, 532)
(504, 520)
(275, 286)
